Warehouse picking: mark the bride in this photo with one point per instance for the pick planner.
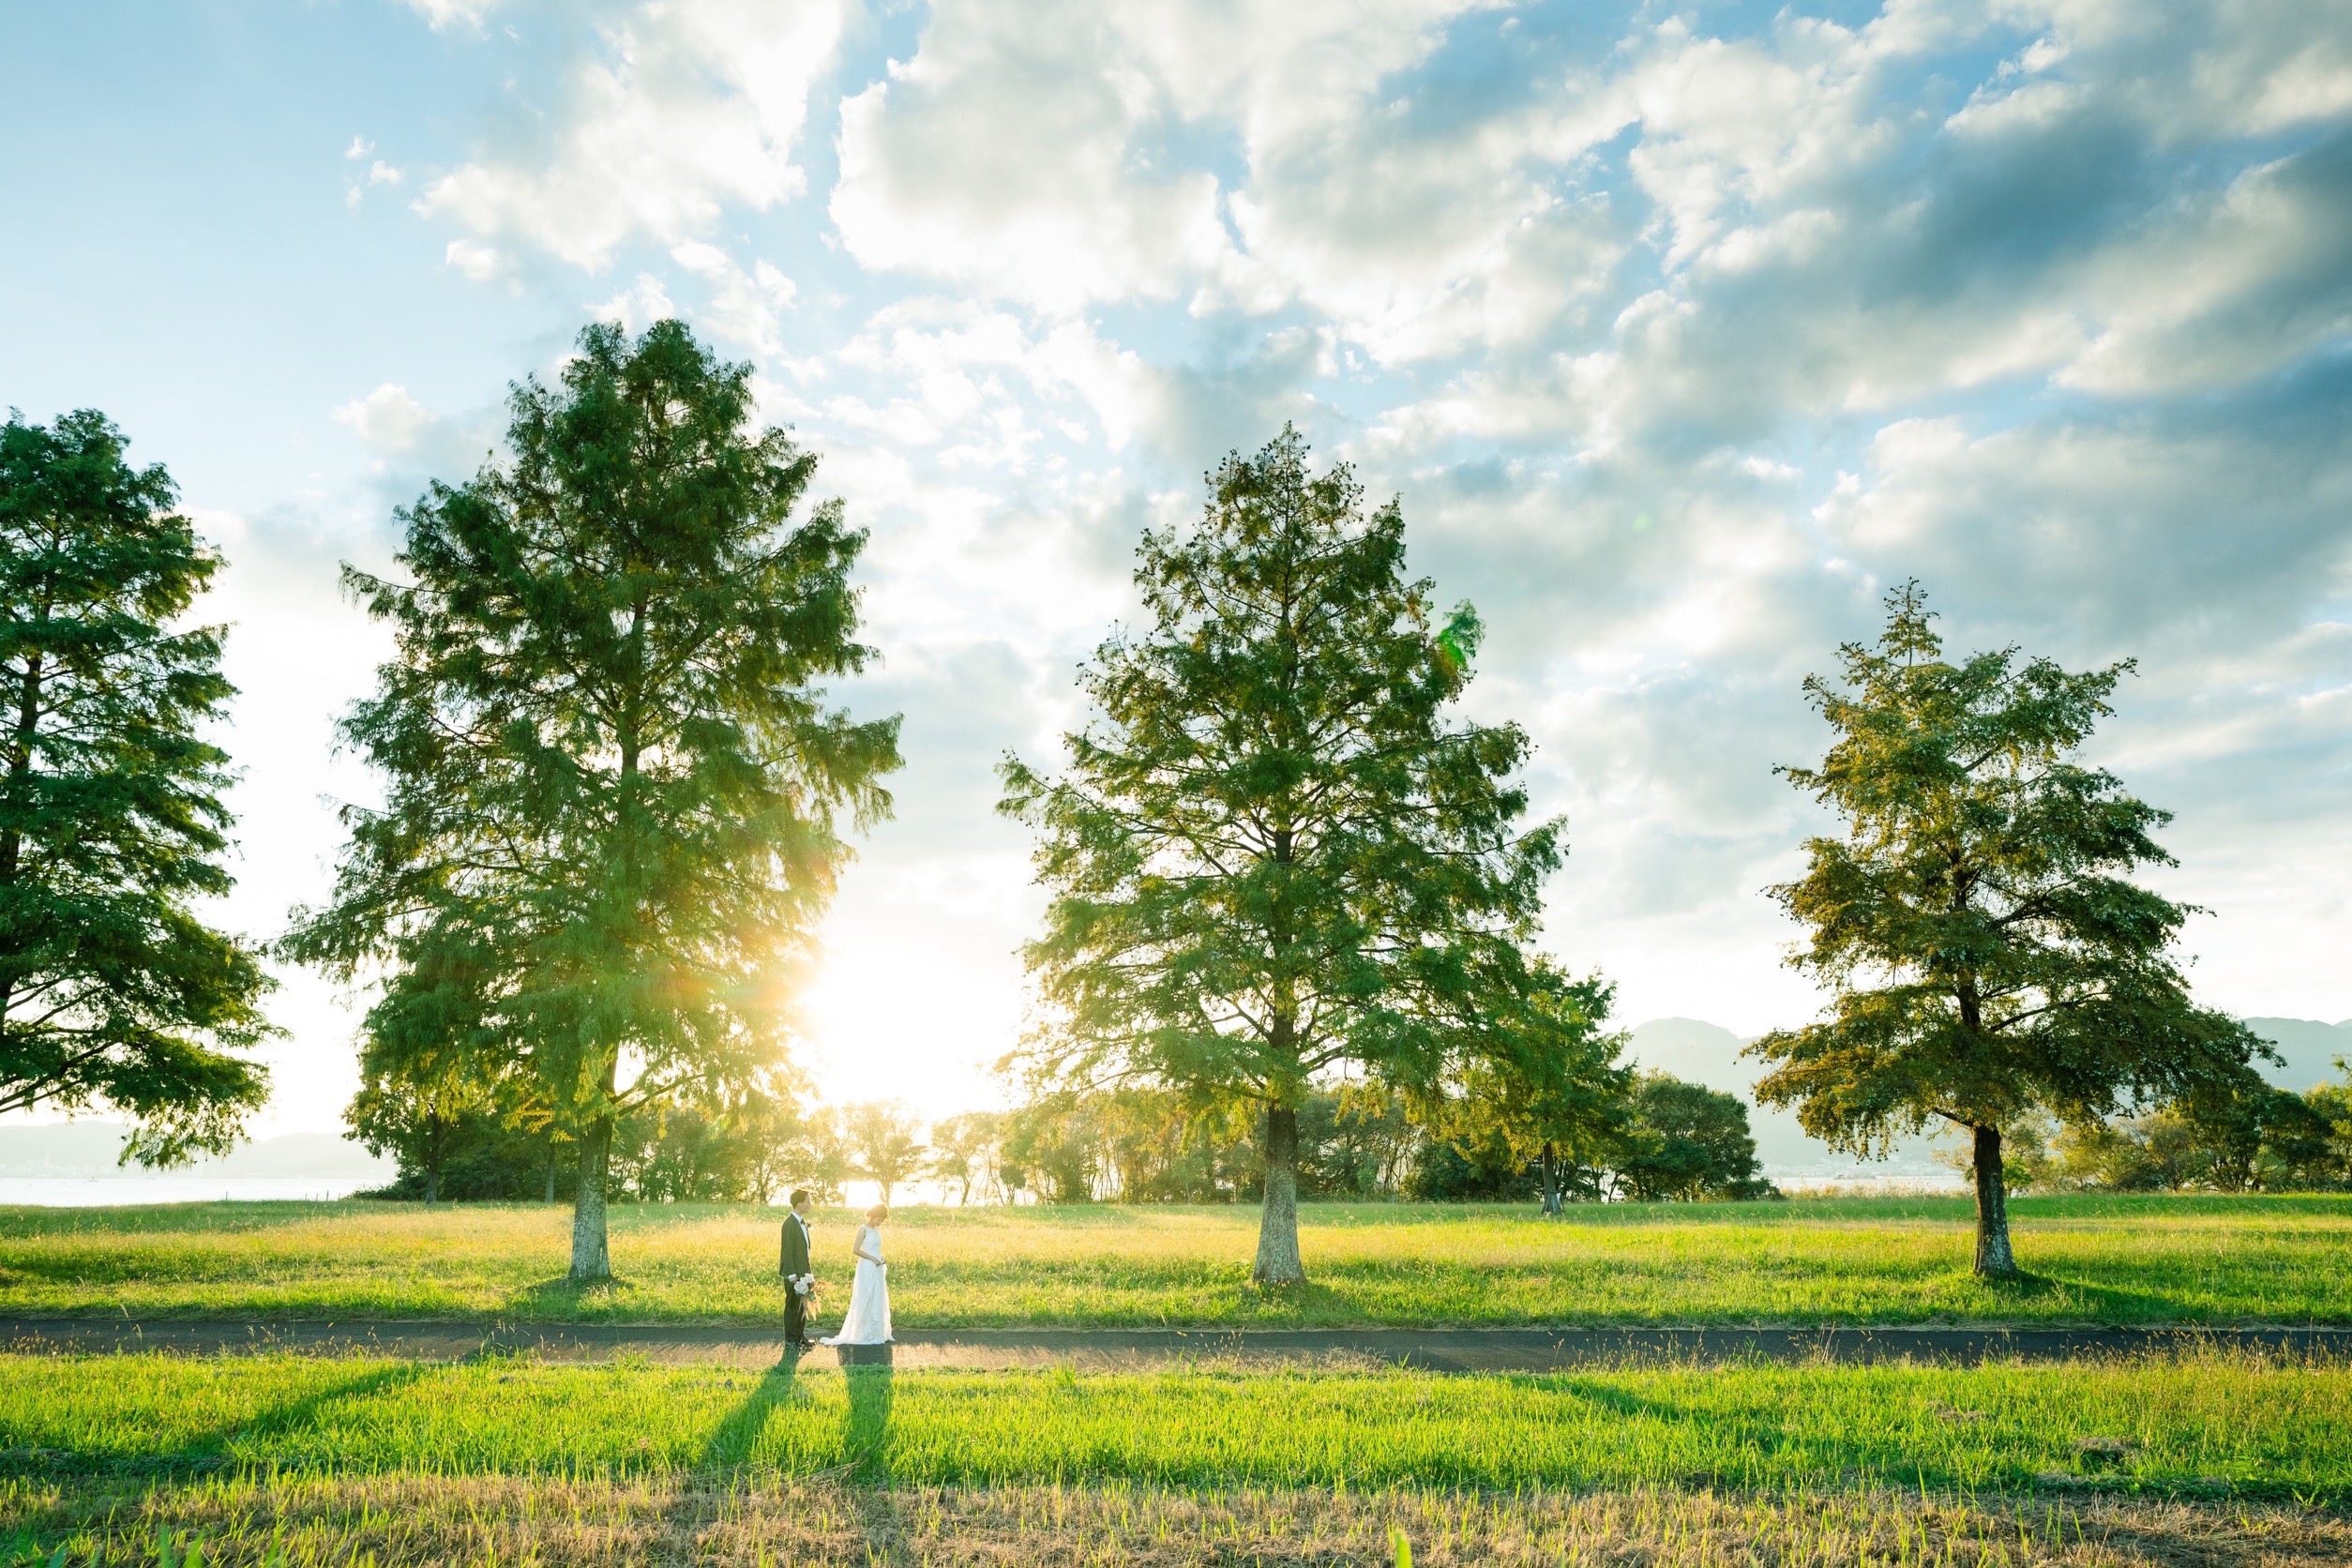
(867, 1321)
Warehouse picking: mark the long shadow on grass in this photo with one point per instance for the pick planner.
(732, 1441)
(1878, 1454)
(2102, 1303)
(270, 1428)
(561, 1300)
(865, 1431)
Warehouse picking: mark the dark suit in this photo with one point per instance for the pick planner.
(794, 1260)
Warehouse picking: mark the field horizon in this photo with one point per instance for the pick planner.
(2154, 1261)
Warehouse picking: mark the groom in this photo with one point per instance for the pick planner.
(800, 1280)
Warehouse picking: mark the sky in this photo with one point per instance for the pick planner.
(1680, 332)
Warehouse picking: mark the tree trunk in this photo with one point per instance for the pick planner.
(590, 1261)
(1994, 1260)
(1551, 1182)
(1278, 1222)
(550, 1170)
(432, 1184)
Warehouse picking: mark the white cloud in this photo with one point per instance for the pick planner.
(742, 308)
(688, 107)
(442, 14)
(388, 420)
(639, 305)
(478, 262)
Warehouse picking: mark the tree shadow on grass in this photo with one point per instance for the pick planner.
(1876, 1451)
(559, 1300)
(275, 1426)
(2107, 1304)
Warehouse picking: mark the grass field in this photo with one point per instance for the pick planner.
(2156, 1260)
(274, 1459)
(2205, 1425)
(311, 1520)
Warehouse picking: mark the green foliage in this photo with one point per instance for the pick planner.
(613, 788)
(1271, 854)
(681, 1152)
(1134, 1144)
(886, 1143)
(112, 992)
(967, 1154)
(1547, 1091)
(1685, 1142)
(1989, 958)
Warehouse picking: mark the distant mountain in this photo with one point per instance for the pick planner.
(1700, 1052)
(94, 1148)
(2311, 1050)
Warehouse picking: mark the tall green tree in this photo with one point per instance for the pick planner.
(114, 990)
(1272, 853)
(1990, 956)
(614, 790)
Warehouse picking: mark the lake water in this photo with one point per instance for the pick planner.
(91, 1192)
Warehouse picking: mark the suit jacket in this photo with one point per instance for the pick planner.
(795, 1258)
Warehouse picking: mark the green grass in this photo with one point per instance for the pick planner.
(2262, 1428)
(2155, 1259)
(314, 1519)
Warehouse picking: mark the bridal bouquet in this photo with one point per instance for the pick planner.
(803, 1284)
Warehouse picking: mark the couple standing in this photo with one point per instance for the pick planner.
(867, 1321)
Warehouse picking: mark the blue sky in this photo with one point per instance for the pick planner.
(1681, 332)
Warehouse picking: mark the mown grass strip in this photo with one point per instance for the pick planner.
(2189, 1261)
(2210, 1423)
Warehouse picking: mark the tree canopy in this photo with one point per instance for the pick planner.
(1545, 1090)
(614, 793)
(1273, 853)
(114, 990)
(1989, 956)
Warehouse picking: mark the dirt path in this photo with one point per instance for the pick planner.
(1435, 1350)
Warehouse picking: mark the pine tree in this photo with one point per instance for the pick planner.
(614, 790)
(1272, 854)
(114, 991)
(1989, 956)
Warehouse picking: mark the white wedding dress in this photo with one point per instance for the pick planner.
(867, 1321)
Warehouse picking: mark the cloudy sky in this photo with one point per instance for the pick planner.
(1681, 331)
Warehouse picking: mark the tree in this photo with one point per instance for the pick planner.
(1988, 953)
(965, 1152)
(113, 990)
(1547, 1091)
(885, 1142)
(1687, 1142)
(613, 793)
(1271, 854)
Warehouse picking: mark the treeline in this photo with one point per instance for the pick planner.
(2263, 1140)
(1677, 1141)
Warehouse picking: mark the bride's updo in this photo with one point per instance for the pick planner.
(878, 1214)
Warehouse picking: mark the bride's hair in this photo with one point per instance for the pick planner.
(878, 1214)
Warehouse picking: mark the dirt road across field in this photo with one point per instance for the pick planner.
(1108, 1349)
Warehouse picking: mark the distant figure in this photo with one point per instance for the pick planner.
(800, 1277)
(867, 1321)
